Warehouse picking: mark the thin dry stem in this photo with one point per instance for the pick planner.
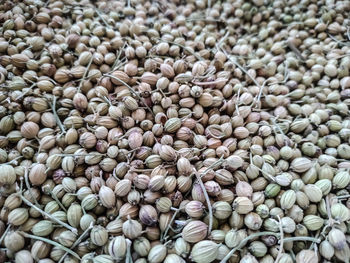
(164, 236)
(53, 107)
(103, 20)
(5, 233)
(74, 230)
(85, 73)
(78, 241)
(267, 233)
(280, 250)
(58, 201)
(128, 257)
(26, 180)
(131, 89)
(51, 243)
(210, 209)
(182, 46)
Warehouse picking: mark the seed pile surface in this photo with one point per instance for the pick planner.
(174, 131)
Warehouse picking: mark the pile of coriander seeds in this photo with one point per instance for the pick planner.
(174, 131)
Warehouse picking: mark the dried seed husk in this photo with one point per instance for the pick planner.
(340, 212)
(326, 249)
(258, 249)
(301, 164)
(128, 210)
(172, 125)
(325, 185)
(262, 210)
(271, 224)
(28, 225)
(117, 248)
(253, 221)
(86, 220)
(313, 192)
(212, 188)
(69, 185)
(233, 162)
(221, 210)
(18, 216)
(67, 238)
(194, 231)
(341, 180)
(164, 204)
(310, 176)
(337, 239)
(29, 129)
(122, 188)
(6, 124)
(40, 249)
(313, 222)
(224, 177)
(115, 227)
(37, 174)
(217, 236)
(167, 153)
(7, 174)
(272, 190)
(156, 183)
(99, 235)
(153, 161)
(14, 241)
(103, 259)
(296, 213)
(307, 256)
(194, 209)
(288, 224)
(89, 202)
(302, 200)
(157, 254)
(182, 248)
(135, 140)
(43, 228)
(184, 166)
(288, 199)
(148, 215)
(204, 251)
(132, 229)
(234, 237)
(23, 256)
(173, 258)
(12, 201)
(68, 164)
(242, 205)
(74, 214)
(244, 189)
(142, 246)
(107, 197)
(54, 161)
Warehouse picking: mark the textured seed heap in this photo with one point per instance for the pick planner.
(174, 131)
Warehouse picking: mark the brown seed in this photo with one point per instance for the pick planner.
(135, 140)
(122, 188)
(87, 140)
(242, 205)
(107, 197)
(194, 209)
(37, 174)
(132, 229)
(29, 129)
(80, 101)
(99, 235)
(148, 215)
(194, 231)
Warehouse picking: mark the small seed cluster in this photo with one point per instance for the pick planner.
(174, 131)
